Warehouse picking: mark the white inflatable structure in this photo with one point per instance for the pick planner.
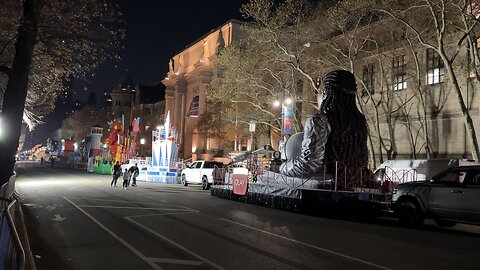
(164, 156)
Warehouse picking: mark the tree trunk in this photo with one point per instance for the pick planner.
(16, 90)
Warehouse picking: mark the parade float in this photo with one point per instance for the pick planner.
(164, 155)
(120, 146)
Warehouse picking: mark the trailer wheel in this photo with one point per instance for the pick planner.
(409, 213)
(205, 184)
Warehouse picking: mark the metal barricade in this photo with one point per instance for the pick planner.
(12, 255)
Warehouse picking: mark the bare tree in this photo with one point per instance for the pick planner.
(443, 26)
(53, 40)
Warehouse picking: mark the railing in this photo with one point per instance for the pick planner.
(12, 255)
(334, 176)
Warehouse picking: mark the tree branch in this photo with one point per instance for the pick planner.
(4, 69)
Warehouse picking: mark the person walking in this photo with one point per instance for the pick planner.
(117, 171)
(126, 178)
(134, 174)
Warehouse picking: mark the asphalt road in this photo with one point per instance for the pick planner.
(77, 221)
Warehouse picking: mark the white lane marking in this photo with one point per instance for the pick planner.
(163, 201)
(122, 201)
(177, 245)
(174, 261)
(163, 214)
(125, 243)
(58, 218)
(129, 207)
(309, 245)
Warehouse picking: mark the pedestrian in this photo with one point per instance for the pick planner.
(52, 161)
(134, 174)
(117, 171)
(126, 178)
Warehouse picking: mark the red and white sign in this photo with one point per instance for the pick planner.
(240, 181)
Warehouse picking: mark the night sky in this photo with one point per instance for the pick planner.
(156, 31)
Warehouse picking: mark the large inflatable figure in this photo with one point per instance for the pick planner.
(114, 139)
(337, 132)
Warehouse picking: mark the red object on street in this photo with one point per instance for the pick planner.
(240, 181)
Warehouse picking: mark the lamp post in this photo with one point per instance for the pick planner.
(251, 128)
(287, 126)
(142, 142)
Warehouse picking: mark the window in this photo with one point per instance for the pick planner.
(399, 71)
(211, 165)
(193, 112)
(435, 69)
(452, 177)
(476, 179)
(368, 79)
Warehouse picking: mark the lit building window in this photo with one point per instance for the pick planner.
(399, 71)
(435, 69)
(368, 79)
(193, 112)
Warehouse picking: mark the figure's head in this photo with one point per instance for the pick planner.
(136, 164)
(339, 89)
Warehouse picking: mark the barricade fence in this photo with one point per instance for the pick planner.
(12, 255)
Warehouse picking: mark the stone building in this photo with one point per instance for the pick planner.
(137, 100)
(189, 77)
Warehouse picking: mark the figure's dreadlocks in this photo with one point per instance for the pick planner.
(347, 141)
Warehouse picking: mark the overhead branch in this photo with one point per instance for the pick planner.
(4, 69)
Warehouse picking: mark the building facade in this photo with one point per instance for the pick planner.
(188, 80)
(135, 100)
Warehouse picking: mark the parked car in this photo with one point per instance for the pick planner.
(200, 172)
(450, 197)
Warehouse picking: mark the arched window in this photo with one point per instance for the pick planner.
(193, 112)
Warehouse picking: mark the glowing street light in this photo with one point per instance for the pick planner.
(142, 142)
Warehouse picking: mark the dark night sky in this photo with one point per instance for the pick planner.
(156, 31)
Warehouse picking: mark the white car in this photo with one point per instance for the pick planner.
(200, 172)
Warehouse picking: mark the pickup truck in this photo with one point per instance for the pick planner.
(200, 172)
(450, 197)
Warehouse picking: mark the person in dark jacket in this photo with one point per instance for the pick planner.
(134, 174)
(117, 171)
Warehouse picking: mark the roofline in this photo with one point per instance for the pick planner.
(205, 35)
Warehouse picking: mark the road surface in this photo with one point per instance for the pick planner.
(77, 221)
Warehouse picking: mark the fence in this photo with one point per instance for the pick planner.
(339, 177)
(12, 255)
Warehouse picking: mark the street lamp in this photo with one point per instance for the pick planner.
(142, 142)
(251, 128)
(287, 115)
(287, 127)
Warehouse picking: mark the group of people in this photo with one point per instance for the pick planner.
(128, 174)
